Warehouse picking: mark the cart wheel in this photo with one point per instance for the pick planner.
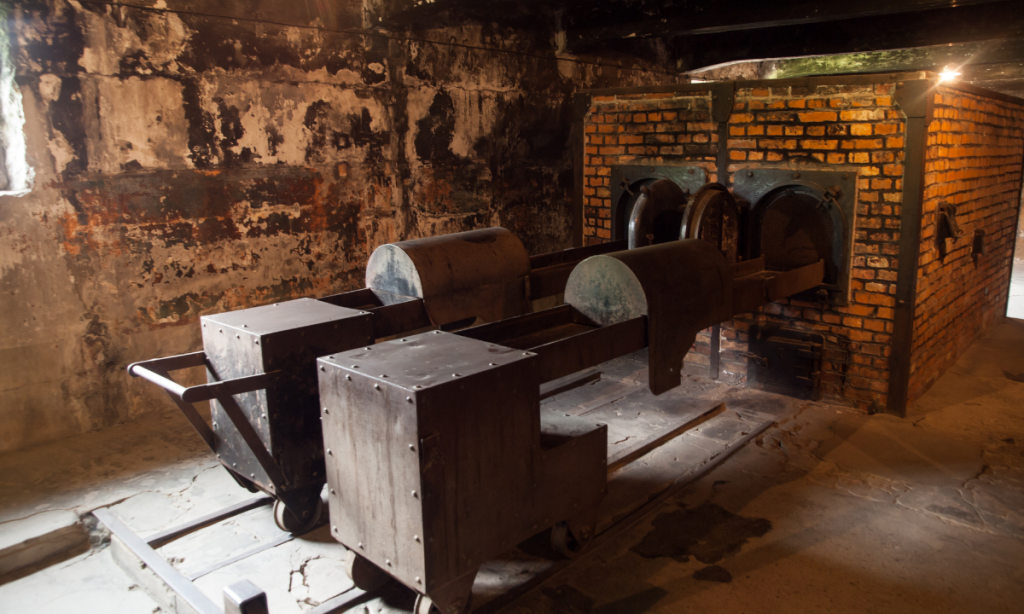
(287, 521)
(566, 543)
(425, 605)
(364, 574)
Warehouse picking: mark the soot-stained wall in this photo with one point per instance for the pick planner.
(198, 156)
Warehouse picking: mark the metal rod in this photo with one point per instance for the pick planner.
(618, 528)
(167, 536)
(345, 601)
(170, 363)
(567, 383)
(196, 420)
(160, 379)
(616, 463)
(281, 539)
(238, 385)
(716, 351)
(171, 576)
(252, 439)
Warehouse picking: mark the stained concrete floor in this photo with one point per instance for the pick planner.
(833, 510)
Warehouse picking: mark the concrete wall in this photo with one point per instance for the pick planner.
(201, 156)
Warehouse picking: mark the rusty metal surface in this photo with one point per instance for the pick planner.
(682, 287)
(830, 197)
(712, 215)
(757, 289)
(271, 436)
(445, 431)
(575, 254)
(478, 273)
(790, 360)
(657, 214)
(588, 348)
(626, 180)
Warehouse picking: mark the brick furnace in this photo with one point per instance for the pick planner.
(906, 187)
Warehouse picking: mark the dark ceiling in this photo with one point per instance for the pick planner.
(985, 36)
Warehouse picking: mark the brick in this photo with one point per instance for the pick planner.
(861, 129)
(819, 144)
(817, 116)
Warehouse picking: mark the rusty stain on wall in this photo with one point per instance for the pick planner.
(190, 164)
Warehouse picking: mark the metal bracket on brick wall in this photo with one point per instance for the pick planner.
(838, 187)
(723, 97)
(625, 180)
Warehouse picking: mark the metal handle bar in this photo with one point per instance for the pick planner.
(155, 370)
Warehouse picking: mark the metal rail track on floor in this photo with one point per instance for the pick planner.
(244, 597)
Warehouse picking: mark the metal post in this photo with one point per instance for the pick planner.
(244, 597)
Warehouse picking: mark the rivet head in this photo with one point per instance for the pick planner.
(408, 399)
(245, 326)
(387, 562)
(322, 368)
(414, 493)
(455, 374)
(376, 386)
(252, 475)
(418, 580)
(360, 545)
(333, 492)
(369, 348)
(220, 330)
(383, 375)
(750, 173)
(493, 364)
(334, 528)
(355, 366)
(348, 377)
(329, 453)
(404, 340)
(412, 447)
(416, 538)
(417, 386)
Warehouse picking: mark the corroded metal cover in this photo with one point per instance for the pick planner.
(478, 273)
(682, 287)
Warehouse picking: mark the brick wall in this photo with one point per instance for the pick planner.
(853, 128)
(662, 128)
(973, 161)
